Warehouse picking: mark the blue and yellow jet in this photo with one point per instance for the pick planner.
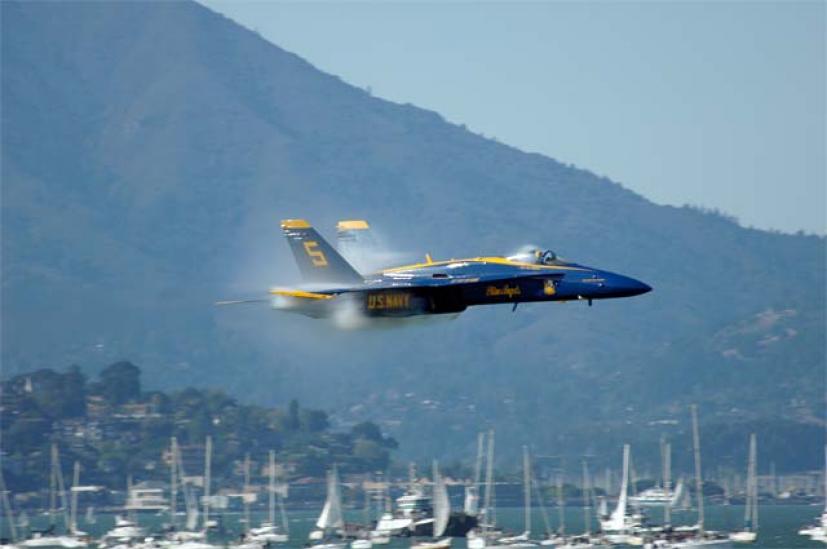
(436, 287)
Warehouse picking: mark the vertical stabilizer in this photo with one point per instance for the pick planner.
(317, 260)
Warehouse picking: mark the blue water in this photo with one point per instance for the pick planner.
(778, 524)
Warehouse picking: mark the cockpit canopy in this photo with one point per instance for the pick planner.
(536, 256)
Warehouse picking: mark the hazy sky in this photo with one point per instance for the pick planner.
(718, 104)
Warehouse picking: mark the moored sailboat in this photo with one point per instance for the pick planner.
(818, 531)
(750, 532)
(330, 522)
(442, 513)
(269, 531)
(621, 525)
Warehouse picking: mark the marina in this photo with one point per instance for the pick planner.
(779, 524)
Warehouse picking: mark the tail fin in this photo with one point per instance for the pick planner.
(317, 260)
(351, 231)
(356, 243)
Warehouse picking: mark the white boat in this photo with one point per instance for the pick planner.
(659, 496)
(414, 512)
(48, 540)
(379, 538)
(390, 524)
(442, 513)
(750, 532)
(487, 534)
(622, 526)
(124, 532)
(818, 531)
(330, 522)
(707, 542)
(694, 536)
(586, 540)
(361, 544)
(191, 544)
(190, 537)
(146, 497)
(413, 508)
(743, 536)
(269, 531)
(74, 538)
(702, 541)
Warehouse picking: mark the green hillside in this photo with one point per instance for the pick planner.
(149, 150)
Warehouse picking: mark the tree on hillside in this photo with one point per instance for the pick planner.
(367, 430)
(120, 383)
(293, 422)
(59, 395)
(313, 421)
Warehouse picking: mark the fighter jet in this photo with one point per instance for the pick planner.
(433, 287)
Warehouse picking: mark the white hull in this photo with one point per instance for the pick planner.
(54, 541)
(264, 539)
(438, 544)
(379, 538)
(687, 544)
(394, 526)
(743, 537)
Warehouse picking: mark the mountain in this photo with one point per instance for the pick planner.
(150, 149)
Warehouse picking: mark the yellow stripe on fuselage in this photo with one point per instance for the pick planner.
(486, 259)
(300, 293)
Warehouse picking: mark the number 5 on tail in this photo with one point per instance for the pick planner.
(316, 255)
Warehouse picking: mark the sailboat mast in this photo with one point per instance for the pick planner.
(527, 489)
(478, 464)
(667, 482)
(246, 492)
(61, 490)
(696, 443)
(753, 464)
(7, 510)
(825, 478)
(284, 523)
(561, 513)
(489, 483)
(540, 501)
(271, 487)
(207, 479)
(53, 486)
(73, 521)
(173, 480)
(586, 500)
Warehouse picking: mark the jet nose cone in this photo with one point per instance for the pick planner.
(625, 286)
(635, 287)
(642, 287)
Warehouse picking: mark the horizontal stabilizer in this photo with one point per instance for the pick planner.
(300, 294)
(238, 301)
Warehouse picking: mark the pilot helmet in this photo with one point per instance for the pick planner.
(547, 257)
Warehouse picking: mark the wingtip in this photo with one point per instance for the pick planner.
(294, 224)
(352, 225)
